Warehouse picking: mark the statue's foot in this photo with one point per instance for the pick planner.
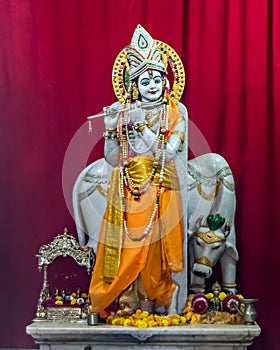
(125, 310)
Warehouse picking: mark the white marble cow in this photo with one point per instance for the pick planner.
(211, 191)
(207, 247)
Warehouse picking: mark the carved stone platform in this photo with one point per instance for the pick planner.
(78, 335)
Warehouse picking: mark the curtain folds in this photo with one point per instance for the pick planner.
(56, 59)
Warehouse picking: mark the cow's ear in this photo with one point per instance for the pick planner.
(231, 251)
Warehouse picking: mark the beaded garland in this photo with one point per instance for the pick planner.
(126, 181)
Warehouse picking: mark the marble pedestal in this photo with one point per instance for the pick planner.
(78, 335)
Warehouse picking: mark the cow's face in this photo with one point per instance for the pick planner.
(208, 247)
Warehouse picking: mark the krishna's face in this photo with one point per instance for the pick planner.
(150, 85)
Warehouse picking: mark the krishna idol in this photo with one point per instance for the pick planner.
(141, 238)
(133, 203)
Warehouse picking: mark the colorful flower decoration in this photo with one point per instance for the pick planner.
(200, 303)
(142, 319)
(231, 303)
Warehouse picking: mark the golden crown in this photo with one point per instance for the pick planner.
(142, 54)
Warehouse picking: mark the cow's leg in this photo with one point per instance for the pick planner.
(228, 267)
(197, 284)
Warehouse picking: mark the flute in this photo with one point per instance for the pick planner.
(107, 112)
(129, 107)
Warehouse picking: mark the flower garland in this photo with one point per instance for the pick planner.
(67, 300)
(142, 319)
(127, 182)
(128, 128)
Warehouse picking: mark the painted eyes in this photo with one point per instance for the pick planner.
(146, 81)
(214, 246)
(157, 80)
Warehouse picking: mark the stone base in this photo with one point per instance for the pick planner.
(79, 335)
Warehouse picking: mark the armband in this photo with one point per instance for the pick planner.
(111, 135)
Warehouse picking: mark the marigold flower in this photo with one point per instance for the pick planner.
(222, 295)
(127, 322)
(189, 315)
(137, 313)
(144, 314)
(195, 319)
(152, 323)
(209, 295)
(174, 321)
(187, 309)
(183, 320)
(120, 321)
(84, 295)
(141, 324)
(114, 322)
(73, 301)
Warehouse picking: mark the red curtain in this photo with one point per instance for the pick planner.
(55, 69)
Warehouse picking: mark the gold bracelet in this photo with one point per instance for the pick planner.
(110, 129)
(229, 285)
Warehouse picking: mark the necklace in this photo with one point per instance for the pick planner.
(131, 141)
(136, 190)
(127, 182)
(151, 105)
(151, 114)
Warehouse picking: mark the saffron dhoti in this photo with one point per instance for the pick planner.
(122, 258)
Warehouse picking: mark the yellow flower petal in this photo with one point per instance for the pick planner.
(183, 319)
(222, 295)
(144, 314)
(126, 322)
(114, 322)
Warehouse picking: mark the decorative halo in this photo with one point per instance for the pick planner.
(120, 75)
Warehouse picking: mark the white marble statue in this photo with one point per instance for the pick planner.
(134, 206)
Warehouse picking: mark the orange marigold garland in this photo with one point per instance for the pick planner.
(142, 319)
